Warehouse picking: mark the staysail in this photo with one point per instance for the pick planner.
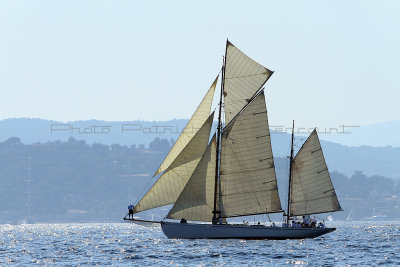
(312, 189)
(197, 198)
(169, 186)
(247, 172)
(194, 124)
(243, 77)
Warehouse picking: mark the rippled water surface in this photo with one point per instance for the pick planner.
(357, 243)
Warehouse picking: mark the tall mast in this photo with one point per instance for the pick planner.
(215, 211)
(290, 178)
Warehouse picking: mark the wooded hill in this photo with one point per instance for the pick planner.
(76, 182)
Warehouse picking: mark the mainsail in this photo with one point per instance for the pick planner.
(247, 172)
(243, 77)
(312, 189)
(194, 124)
(169, 186)
(197, 198)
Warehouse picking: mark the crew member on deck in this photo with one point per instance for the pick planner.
(130, 208)
(306, 223)
(313, 222)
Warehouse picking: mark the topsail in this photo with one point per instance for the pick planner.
(243, 77)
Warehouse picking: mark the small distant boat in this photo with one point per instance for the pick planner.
(378, 218)
(350, 215)
(233, 175)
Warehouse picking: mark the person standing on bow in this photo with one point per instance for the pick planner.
(130, 209)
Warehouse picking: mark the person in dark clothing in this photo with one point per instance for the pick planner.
(130, 208)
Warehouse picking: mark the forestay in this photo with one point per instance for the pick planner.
(194, 124)
(197, 198)
(247, 172)
(169, 186)
(312, 189)
(242, 79)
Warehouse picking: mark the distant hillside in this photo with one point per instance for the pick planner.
(73, 181)
(91, 131)
(143, 132)
(345, 159)
(76, 182)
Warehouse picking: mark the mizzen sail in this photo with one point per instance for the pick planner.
(312, 189)
(196, 121)
(170, 185)
(242, 79)
(247, 172)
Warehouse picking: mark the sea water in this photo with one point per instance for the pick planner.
(355, 243)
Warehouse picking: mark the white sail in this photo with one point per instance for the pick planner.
(170, 185)
(312, 189)
(242, 79)
(197, 198)
(247, 172)
(194, 124)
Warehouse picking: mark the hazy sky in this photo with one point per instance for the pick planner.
(335, 62)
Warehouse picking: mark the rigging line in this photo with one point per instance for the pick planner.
(146, 188)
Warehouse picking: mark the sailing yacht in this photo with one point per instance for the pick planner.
(233, 174)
